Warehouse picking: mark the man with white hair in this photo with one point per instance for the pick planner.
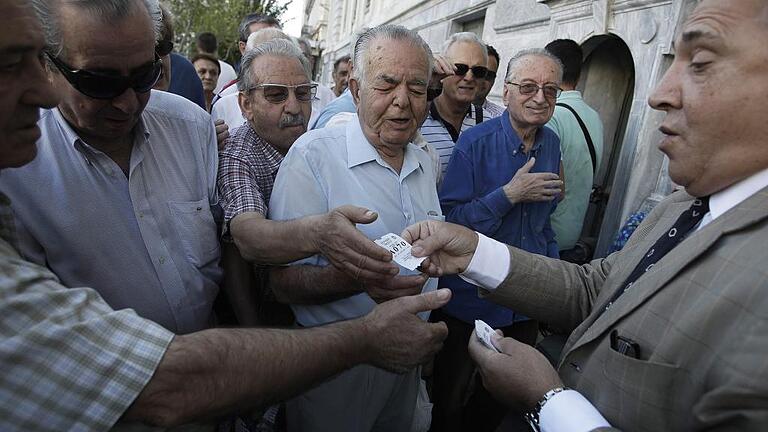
(451, 112)
(368, 162)
(502, 181)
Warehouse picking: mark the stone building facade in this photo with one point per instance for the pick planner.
(627, 46)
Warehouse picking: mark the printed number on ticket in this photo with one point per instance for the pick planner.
(400, 249)
(484, 332)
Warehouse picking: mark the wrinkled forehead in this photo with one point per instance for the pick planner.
(465, 52)
(724, 21)
(392, 57)
(536, 68)
(278, 69)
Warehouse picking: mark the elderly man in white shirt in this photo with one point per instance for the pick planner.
(368, 162)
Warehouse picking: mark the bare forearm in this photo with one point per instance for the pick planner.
(218, 371)
(308, 284)
(265, 241)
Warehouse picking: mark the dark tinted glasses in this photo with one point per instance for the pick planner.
(490, 75)
(278, 93)
(477, 71)
(163, 48)
(100, 85)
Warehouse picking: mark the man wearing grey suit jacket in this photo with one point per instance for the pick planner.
(672, 343)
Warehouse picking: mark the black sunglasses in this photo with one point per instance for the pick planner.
(477, 71)
(99, 85)
(163, 48)
(490, 75)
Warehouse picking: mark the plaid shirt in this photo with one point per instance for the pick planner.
(247, 170)
(69, 361)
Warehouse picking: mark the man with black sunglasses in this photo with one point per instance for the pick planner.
(451, 112)
(492, 109)
(122, 195)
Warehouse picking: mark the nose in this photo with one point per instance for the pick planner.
(127, 102)
(39, 92)
(292, 105)
(539, 96)
(400, 97)
(667, 94)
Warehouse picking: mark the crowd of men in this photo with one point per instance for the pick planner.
(138, 187)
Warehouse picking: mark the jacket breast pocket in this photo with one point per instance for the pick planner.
(641, 391)
(197, 231)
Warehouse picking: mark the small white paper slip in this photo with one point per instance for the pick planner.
(400, 249)
(484, 332)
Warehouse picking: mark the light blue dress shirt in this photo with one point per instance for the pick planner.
(330, 167)
(148, 241)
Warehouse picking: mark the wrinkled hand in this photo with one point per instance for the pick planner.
(400, 340)
(449, 247)
(532, 187)
(519, 376)
(222, 133)
(399, 286)
(347, 249)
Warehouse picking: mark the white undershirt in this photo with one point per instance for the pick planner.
(569, 410)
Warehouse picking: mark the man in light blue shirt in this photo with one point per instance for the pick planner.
(578, 167)
(368, 162)
(120, 196)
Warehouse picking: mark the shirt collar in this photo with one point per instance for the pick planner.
(515, 141)
(253, 140)
(726, 199)
(72, 138)
(360, 150)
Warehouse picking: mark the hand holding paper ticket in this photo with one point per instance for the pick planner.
(484, 332)
(401, 251)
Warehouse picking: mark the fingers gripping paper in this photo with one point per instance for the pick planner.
(400, 249)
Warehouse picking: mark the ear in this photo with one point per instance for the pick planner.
(246, 107)
(504, 94)
(354, 88)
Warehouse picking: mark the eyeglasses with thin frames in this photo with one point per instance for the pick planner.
(278, 93)
(551, 91)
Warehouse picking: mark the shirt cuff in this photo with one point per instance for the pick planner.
(569, 411)
(489, 265)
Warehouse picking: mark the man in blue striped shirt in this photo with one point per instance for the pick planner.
(452, 113)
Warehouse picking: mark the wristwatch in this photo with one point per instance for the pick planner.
(532, 416)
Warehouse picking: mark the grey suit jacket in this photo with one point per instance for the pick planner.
(700, 317)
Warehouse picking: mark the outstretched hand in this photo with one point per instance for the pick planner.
(347, 249)
(449, 247)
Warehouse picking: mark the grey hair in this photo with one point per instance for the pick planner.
(108, 11)
(275, 47)
(466, 37)
(514, 62)
(264, 35)
(386, 32)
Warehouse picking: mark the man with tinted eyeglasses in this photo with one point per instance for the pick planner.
(492, 109)
(122, 194)
(451, 113)
(502, 181)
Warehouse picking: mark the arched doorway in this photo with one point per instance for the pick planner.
(607, 84)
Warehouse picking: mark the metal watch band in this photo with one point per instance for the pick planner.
(532, 416)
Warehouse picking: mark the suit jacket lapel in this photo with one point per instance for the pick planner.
(747, 213)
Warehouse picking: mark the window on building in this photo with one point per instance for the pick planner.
(475, 26)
